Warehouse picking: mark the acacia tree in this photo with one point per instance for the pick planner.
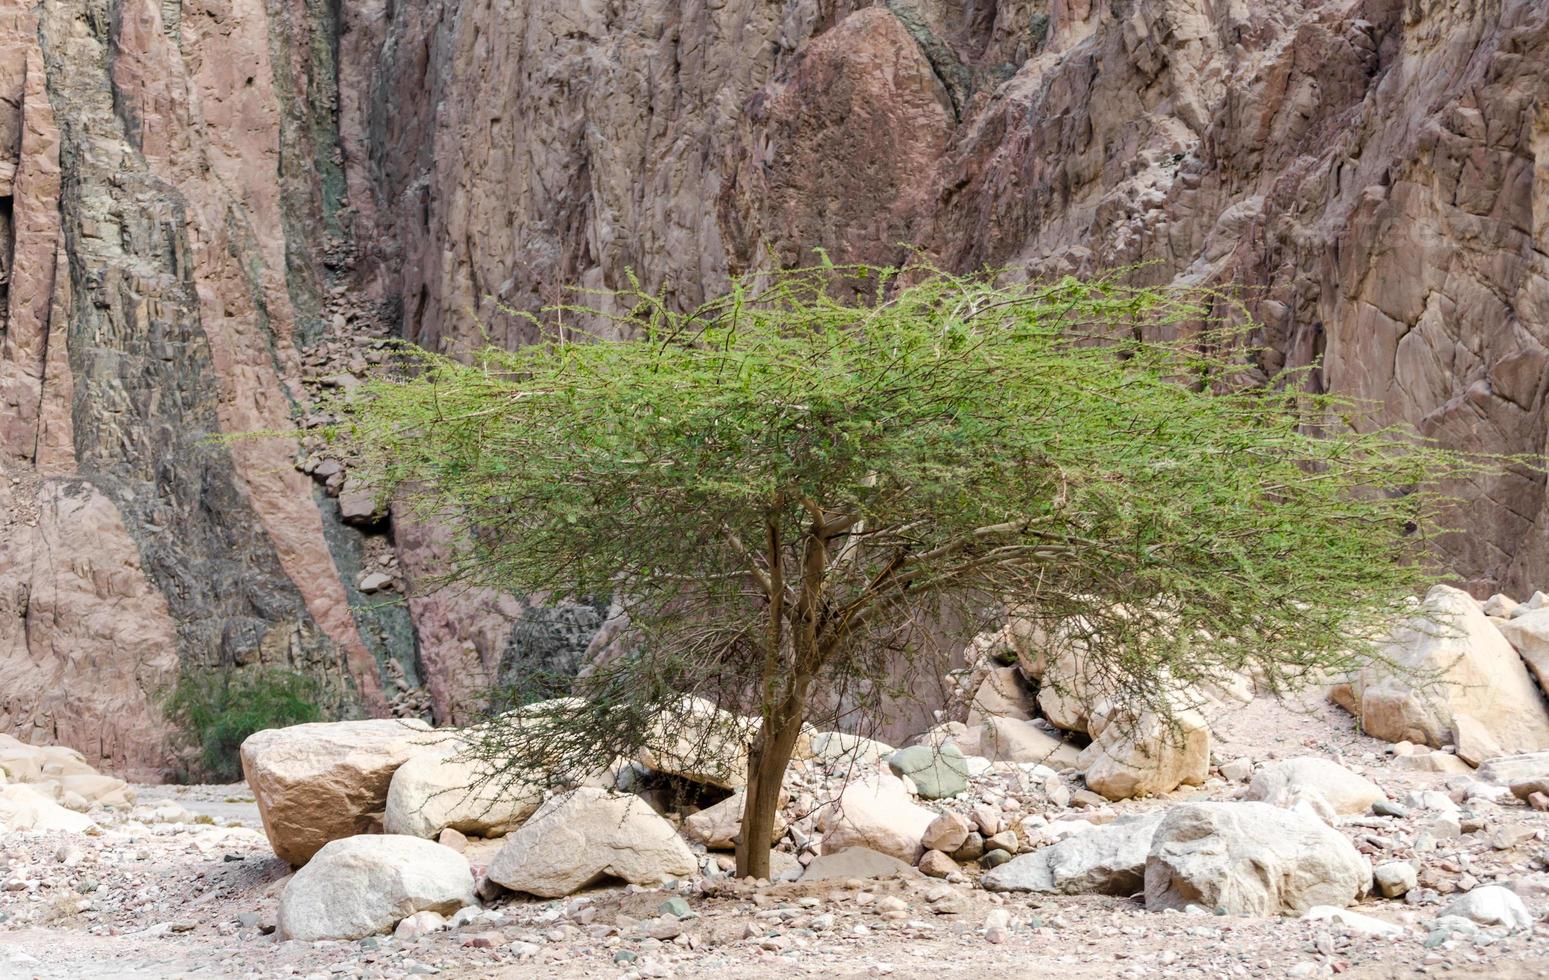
(794, 493)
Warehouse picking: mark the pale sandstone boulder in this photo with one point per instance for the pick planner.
(946, 833)
(1066, 694)
(1146, 755)
(1108, 860)
(319, 782)
(717, 826)
(1528, 634)
(1475, 745)
(999, 696)
(1507, 769)
(877, 813)
(1013, 740)
(587, 834)
(701, 742)
(24, 809)
(1499, 606)
(1250, 859)
(443, 787)
(363, 885)
(97, 789)
(1282, 783)
(844, 749)
(1482, 677)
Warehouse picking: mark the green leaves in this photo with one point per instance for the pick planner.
(1138, 476)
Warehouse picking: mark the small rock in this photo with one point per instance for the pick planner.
(1395, 878)
(937, 865)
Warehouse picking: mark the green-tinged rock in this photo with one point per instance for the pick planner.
(937, 772)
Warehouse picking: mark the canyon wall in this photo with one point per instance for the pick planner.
(203, 203)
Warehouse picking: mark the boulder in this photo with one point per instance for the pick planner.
(1508, 769)
(876, 812)
(23, 808)
(999, 696)
(97, 789)
(1355, 922)
(856, 862)
(319, 782)
(1146, 754)
(587, 834)
(363, 885)
(1064, 695)
(700, 742)
(1013, 740)
(1480, 675)
(1528, 634)
(946, 833)
(1108, 860)
(444, 787)
(1395, 879)
(845, 750)
(1250, 859)
(935, 864)
(937, 772)
(1281, 783)
(1491, 905)
(717, 826)
(1475, 745)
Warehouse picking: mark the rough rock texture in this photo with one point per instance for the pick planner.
(876, 813)
(1146, 754)
(193, 195)
(317, 783)
(364, 885)
(1459, 665)
(717, 827)
(1250, 859)
(442, 787)
(587, 834)
(1107, 860)
(1283, 783)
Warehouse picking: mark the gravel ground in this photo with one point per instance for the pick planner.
(185, 886)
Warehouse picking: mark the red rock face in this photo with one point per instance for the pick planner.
(189, 192)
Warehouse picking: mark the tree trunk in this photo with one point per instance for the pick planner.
(771, 754)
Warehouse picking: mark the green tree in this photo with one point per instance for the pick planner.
(793, 492)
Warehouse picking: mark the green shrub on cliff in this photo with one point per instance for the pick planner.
(217, 709)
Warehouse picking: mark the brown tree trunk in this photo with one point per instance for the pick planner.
(771, 754)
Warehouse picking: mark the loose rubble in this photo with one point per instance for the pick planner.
(1305, 847)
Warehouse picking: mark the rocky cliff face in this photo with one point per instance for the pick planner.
(198, 198)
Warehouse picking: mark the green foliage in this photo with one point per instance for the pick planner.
(800, 496)
(217, 709)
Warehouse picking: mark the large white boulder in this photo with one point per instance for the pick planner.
(877, 813)
(363, 885)
(1480, 675)
(999, 696)
(1529, 636)
(1146, 754)
(1283, 783)
(579, 837)
(1014, 740)
(320, 782)
(1491, 905)
(1250, 859)
(842, 749)
(717, 826)
(1108, 860)
(701, 742)
(24, 808)
(445, 786)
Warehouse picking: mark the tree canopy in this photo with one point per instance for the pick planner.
(799, 493)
